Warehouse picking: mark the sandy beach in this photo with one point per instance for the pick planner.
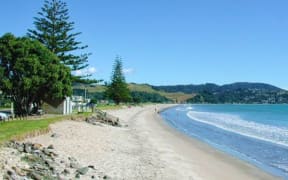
(144, 148)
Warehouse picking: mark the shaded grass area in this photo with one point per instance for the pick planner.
(20, 129)
(108, 107)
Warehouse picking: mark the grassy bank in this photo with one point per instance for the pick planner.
(20, 129)
(108, 107)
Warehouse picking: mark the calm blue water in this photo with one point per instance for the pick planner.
(255, 133)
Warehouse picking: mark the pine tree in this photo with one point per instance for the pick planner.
(53, 29)
(118, 90)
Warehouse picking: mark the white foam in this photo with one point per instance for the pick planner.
(189, 108)
(181, 109)
(235, 124)
(281, 166)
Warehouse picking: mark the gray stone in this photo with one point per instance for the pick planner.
(91, 166)
(27, 148)
(83, 170)
(77, 176)
(50, 146)
(18, 171)
(66, 172)
(35, 176)
(19, 147)
(74, 165)
(49, 163)
(47, 152)
(106, 177)
(54, 135)
(72, 159)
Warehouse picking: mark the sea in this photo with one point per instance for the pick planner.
(257, 134)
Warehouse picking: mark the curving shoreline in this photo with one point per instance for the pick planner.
(146, 148)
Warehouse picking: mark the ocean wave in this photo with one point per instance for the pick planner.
(235, 124)
(283, 167)
(189, 108)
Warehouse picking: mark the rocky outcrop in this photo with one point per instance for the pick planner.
(44, 163)
(100, 117)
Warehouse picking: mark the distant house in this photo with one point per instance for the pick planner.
(80, 104)
(58, 107)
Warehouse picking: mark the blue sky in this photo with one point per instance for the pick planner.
(175, 42)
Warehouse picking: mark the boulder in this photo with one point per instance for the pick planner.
(27, 148)
(82, 170)
(37, 146)
(18, 171)
(50, 146)
(35, 176)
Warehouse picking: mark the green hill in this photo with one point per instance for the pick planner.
(98, 90)
(241, 92)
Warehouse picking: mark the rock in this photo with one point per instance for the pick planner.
(77, 176)
(20, 148)
(48, 152)
(35, 176)
(10, 172)
(83, 170)
(54, 135)
(19, 171)
(36, 146)
(49, 163)
(72, 159)
(91, 166)
(27, 148)
(66, 172)
(74, 165)
(31, 158)
(50, 146)
(106, 177)
(37, 152)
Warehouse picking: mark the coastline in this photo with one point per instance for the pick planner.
(145, 147)
(220, 165)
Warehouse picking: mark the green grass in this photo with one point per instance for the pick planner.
(108, 107)
(19, 129)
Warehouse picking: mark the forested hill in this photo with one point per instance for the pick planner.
(209, 87)
(230, 93)
(206, 93)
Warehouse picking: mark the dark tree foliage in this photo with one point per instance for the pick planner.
(216, 88)
(243, 96)
(136, 97)
(55, 31)
(31, 74)
(143, 97)
(118, 90)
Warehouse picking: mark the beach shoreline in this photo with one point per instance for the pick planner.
(219, 164)
(145, 147)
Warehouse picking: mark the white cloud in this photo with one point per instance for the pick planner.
(128, 71)
(78, 73)
(84, 72)
(91, 70)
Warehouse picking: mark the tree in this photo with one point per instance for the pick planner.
(54, 30)
(31, 74)
(118, 90)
